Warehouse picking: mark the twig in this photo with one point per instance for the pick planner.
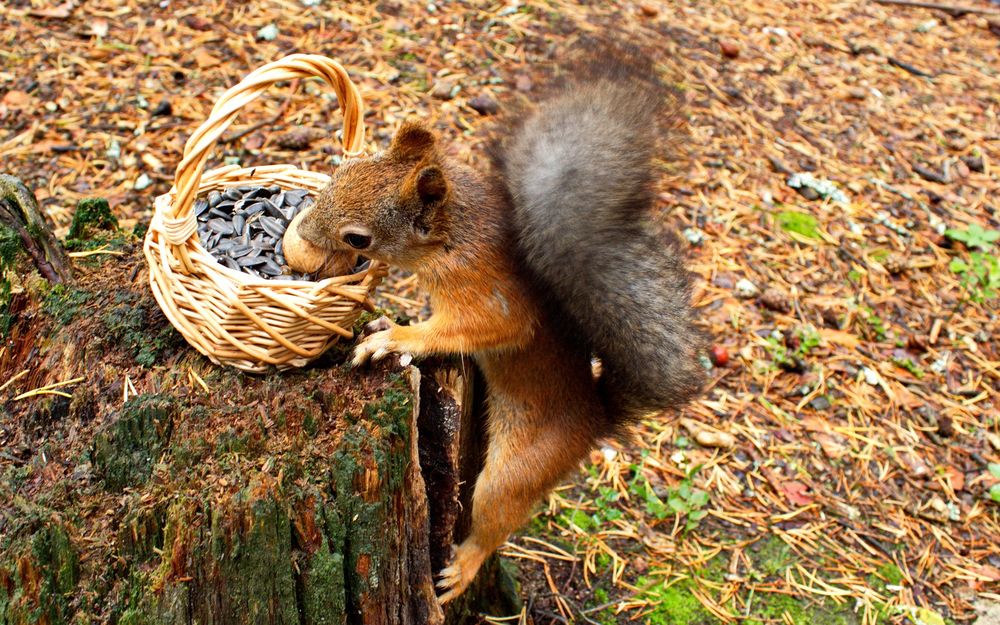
(916, 71)
(13, 378)
(950, 8)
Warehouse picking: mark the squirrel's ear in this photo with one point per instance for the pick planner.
(412, 141)
(431, 185)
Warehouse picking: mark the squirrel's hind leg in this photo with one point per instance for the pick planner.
(529, 452)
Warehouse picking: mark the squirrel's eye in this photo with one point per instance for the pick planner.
(357, 241)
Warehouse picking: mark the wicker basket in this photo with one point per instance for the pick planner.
(234, 318)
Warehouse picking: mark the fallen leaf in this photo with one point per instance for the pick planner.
(839, 337)
(16, 99)
(204, 59)
(796, 492)
(954, 477)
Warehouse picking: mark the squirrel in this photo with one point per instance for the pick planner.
(533, 271)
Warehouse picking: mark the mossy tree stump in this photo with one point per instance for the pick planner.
(164, 489)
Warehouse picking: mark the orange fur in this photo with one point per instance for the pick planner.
(451, 226)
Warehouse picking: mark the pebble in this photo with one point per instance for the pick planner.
(142, 182)
(746, 289)
(484, 105)
(242, 227)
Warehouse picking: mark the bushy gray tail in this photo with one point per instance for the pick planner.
(581, 180)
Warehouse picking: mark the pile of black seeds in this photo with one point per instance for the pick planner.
(242, 228)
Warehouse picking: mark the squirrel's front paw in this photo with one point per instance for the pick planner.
(374, 347)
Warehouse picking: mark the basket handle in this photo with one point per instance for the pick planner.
(187, 180)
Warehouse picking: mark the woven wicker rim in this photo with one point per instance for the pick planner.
(296, 320)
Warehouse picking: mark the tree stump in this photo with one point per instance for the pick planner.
(142, 484)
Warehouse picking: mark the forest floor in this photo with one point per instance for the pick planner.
(844, 464)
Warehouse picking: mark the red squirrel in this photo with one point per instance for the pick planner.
(533, 270)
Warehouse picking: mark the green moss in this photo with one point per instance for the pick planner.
(124, 452)
(91, 213)
(10, 248)
(63, 303)
(803, 224)
(675, 604)
(128, 326)
(37, 584)
(321, 587)
(773, 557)
(773, 608)
(891, 574)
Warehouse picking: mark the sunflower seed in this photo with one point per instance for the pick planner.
(273, 210)
(272, 226)
(242, 228)
(251, 261)
(239, 250)
(220, 226)
(253, 209)
(200, 207)
(270, 268)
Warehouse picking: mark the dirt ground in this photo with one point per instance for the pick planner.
(838, 189)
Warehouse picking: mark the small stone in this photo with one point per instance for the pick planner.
(974, 163)
(163, 109)
(142, 182)
(858, 93)
(746, 289)
(523, 83)
(268, 33)
(694, 236)
(443, 90)
(729, 48)
(484, 105)
(871, 376)
(821, 403)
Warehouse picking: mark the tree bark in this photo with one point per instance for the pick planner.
(154, 487)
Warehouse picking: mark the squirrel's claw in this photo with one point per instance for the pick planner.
(457, 577)
(374, 347)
